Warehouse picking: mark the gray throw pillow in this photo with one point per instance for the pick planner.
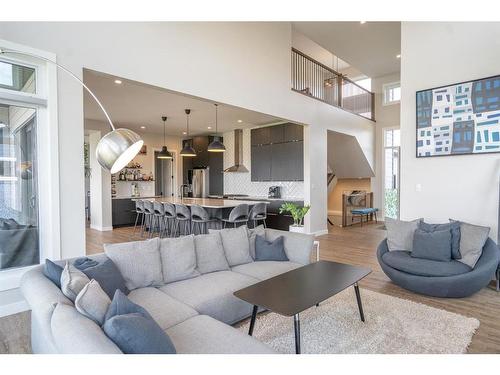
(252, 234)
(400, 233)
(453, 227)
(210, 255)
(93, 302)
(472, 240)
(53, 272)
(270, 250)
(178, 258)
(72, 281)
(108, 276)
(435, 245)
(139, 262)
(236, 245)
(133, 330)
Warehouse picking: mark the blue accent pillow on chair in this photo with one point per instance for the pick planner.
(53, 272)
(432, 245)
(454, 227)
(266, 250)
(108, 276)
(133, 330)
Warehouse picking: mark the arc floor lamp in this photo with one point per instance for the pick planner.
(118, 147)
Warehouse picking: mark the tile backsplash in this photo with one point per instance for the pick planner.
(240, 183)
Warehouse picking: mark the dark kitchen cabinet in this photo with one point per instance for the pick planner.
(200, 145)
(276, 133)
(123, 213)
(293, 133)
(216, 164)
(287, 161)
(261, 163)
(260, 136)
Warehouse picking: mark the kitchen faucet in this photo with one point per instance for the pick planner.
(182, 190)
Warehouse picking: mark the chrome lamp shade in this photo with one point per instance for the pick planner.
(117, 148)
(164, 153)
(187, 151)
(216, 146)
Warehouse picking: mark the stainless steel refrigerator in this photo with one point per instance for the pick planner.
(199, 180)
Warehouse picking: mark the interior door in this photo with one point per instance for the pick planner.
(164, 177)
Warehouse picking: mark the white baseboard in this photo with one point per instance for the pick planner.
(13, 308)
(320, 232)
(334, 213)
(101, 229)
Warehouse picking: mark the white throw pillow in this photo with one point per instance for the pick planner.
(472, 240)
(236, 245)
(400, 233)
(72, 281)
(93, 302)
(178, 258)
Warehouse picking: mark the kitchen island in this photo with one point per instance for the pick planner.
(204, 202)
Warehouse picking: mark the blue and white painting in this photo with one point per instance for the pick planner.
(459, 119)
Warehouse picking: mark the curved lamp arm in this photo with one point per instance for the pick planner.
(6, 51)
(115, 149)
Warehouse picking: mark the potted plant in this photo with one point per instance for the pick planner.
(297, 214)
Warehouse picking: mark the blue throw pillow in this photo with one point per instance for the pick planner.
(454, 227)
(133, 330)
(108, 276)
(83, 263)
(266, 250)
(432, 245)
(53, 272)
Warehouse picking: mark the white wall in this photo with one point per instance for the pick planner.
(242, 64)
(387, 116)
(241, 183)
(460, 187)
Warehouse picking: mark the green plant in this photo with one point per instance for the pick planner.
(391, 203)
(297, 212)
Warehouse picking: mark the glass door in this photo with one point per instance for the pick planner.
(391, 172)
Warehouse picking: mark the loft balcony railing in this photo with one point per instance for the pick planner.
(313, 79)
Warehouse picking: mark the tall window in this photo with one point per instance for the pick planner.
(392, 93)
(391, 172)
(21, 103)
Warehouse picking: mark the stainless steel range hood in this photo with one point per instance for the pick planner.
(238, 154)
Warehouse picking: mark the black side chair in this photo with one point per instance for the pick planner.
(238, 214)
(258, 213)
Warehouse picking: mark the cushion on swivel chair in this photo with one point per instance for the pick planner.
(404, 262)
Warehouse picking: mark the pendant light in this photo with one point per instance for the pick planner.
(118, 147)
(164, 153)
(187, 150)
(216, 145)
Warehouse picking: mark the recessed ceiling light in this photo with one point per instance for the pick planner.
(240, 121)
(118, 82)
(184, 133)
(143, 127)
(398, 56)
(362, 22)
(209, 128)
(2, 125)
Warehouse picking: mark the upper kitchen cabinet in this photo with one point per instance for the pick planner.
(282, 157)
(260, 136)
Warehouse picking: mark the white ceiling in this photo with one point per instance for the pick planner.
(370, 47)
(132, 105)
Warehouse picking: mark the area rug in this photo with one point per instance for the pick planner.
(392, 325)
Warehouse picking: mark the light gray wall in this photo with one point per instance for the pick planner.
(461, 187)
(242, 64)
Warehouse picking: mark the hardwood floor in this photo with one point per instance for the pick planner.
(357, 245)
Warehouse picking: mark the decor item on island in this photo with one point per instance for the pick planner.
(187, 150)
(216, 145)
(297, 213)
(393, 326)
(164, 153)
(463, 118)
(117, 147)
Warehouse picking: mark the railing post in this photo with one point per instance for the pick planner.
(372, 96)
(339, 90)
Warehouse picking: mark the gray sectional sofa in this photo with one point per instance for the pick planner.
(196, 310)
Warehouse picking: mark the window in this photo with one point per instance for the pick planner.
(391, 172)
(29, 192)
(392, 93)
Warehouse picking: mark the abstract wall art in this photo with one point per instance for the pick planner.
(463, 118)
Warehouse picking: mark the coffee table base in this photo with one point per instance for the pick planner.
(296, 319)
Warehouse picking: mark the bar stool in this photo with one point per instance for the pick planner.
(157, 219)
(139, 210)
(239, 214)
(258, 213)
(201, 218)
(169, 218)
(182, 215)
(148, 215)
